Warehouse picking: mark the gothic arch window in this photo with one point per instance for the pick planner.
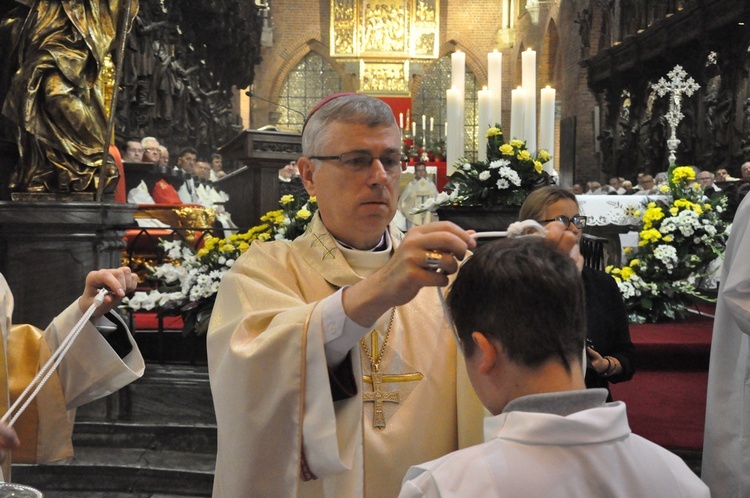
(430, 100)
(311, 80)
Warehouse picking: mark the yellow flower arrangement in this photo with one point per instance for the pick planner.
(187, 284)
(677, 242)
(504, 179)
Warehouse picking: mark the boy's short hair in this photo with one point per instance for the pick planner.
(525, 293)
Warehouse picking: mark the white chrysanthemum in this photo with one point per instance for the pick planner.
(511, 175)
(502, 184)
(667, 255)
(484, 175)
(467, 167)
(499, 163)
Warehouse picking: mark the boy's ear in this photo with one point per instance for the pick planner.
(489, 351)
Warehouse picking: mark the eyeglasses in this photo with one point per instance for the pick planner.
(577, 220)
(151, 149)
(358, 161)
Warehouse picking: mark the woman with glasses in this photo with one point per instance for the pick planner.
(610, 351)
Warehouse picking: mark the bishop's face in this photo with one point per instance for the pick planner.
(355, 205)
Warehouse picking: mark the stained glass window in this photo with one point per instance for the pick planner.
(430, 100)
(305, 86)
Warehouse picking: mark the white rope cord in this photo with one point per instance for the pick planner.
(46, 371)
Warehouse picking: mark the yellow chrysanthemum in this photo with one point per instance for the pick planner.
(628, 250)
(524, 155)
(634, 263)
(228, 248)
(664, 188)
(506, 150)
(683, 173)
(652, 214)
(667, 238)
(203, 252)
(650, 235)
(538, 167)
(673, 211)
(493, 132)
(627, 272)
(264, 237)
(286, 199)
(544, 155)
(303, 214)
(243, 246)
(517, 143)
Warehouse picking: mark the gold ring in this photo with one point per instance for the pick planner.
(433, 259)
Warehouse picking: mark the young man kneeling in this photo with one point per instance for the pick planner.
(518, 307)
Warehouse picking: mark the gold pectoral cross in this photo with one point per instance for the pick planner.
(377, 379)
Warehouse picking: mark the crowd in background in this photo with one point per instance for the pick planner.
(646, 184)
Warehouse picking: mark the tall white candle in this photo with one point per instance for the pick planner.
(484, 100)
(517, 110)
(424, 123)
(401, 120)
(528, 81)
(432, 124)
(414, 130)
(454, 128)
(547, 125)
(458, 70)
(495, 85)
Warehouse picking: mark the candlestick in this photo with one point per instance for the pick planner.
(454, 128)
(495, 85)
(528, 81)
(485, 100)
(458, 70)
(517, 110)
(547, 125)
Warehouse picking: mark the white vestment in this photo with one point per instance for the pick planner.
(89, 370)
(726, 444)
(268, 372)
(414, 195)
(583, 453)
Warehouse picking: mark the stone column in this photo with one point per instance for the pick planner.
(48, 248)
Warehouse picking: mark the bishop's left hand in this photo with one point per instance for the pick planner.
(120, 282)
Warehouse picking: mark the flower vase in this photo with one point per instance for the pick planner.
(481, 219)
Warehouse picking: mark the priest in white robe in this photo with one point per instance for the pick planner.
(415, 194)
(102, 359)
(332, 365)
(726, 445)
(519, 310)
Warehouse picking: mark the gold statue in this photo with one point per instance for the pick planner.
(55, 99)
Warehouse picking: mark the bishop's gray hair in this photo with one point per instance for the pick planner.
(350, 109)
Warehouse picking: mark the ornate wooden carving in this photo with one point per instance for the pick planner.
(706, 39)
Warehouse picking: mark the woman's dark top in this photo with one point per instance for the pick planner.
(607, 326)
